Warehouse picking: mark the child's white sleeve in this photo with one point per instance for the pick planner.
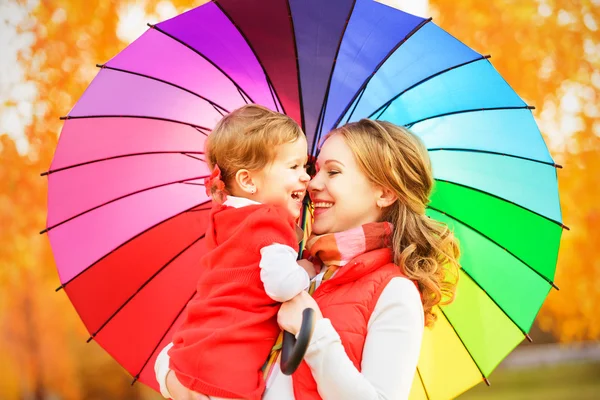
(161, 369)
(281, 275)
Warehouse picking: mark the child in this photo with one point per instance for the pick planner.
(258, 183)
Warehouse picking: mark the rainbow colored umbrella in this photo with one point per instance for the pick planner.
(127, 210)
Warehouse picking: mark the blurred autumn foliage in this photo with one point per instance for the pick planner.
(549, 51)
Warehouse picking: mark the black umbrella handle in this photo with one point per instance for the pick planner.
(293, 350)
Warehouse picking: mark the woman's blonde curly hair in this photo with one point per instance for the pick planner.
(393, 157)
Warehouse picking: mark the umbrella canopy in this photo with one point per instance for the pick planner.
(127, 210)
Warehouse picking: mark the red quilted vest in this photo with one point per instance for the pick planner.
(348, 300)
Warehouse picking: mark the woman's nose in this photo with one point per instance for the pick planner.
(315, 184)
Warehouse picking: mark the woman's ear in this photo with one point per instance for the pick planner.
(245, 181)
(385, 197)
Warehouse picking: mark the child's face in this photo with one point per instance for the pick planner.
(284, 181)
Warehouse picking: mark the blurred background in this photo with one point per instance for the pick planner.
(548, 50)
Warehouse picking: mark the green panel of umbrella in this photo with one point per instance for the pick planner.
(505, 211)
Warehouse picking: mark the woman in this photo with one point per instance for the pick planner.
(391, 265)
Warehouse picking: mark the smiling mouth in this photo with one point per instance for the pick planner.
(321, 207)
(298, 196)
(322, 204)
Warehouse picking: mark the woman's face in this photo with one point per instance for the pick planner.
(342, 195)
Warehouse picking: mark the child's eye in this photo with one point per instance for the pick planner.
(295, 166)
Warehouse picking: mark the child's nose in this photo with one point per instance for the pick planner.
(305, 177)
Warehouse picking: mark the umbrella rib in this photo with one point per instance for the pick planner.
(319, 128)
(355, 106)
(191, 209)
(497, 305)
(253, 52)
(202, 130)
(315, 150)
(466, 348)
(195, 158)
(242, 92)
(552, 164)
(137, 376)
(410, 124)
(273, 96)
(121, 198)
(243, 97)
(383, 110)
(220, 109)
(422, 383)
(200, 209)
(297, 66)
(390, 101)
(368, 79)
(94, 334)
(505, 200)
(198, 127)
(497, 244)
(122, 156)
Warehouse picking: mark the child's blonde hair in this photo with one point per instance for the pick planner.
(247, 138)
(393, 157)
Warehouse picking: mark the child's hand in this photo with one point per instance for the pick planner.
(308, 267)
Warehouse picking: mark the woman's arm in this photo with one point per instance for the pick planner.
(390, 354)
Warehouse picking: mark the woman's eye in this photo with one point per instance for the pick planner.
(330, 173)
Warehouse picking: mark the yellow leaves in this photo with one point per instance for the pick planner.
(38, 340)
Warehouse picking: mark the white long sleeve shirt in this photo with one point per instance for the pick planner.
(390, 354)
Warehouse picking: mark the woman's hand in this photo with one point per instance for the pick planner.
(289, 317)
(180, 392)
